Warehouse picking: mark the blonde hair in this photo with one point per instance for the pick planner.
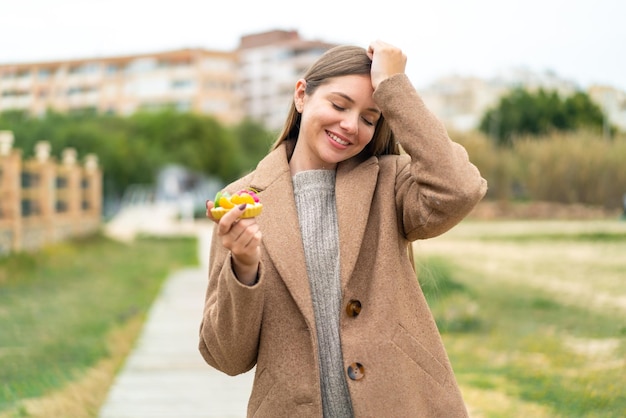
(337, 62)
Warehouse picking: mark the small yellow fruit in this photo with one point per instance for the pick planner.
(226, 203)
(242, 198)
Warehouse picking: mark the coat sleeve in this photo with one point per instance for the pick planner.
(436, 184)
(231, 321)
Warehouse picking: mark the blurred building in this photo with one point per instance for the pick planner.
(270, 63)
(612, 102)
(256, 80)
(187, 80)
(461, 101)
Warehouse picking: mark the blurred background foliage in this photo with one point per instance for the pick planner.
(132, 150)
(523, 112)
(532, 146)
(578, 167)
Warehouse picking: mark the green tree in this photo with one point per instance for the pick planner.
(255, 142)
(525, 113)
(580, 109)
(132, 149)
(195, 141)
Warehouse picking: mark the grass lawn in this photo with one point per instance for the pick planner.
(70, 313)
(533, 315)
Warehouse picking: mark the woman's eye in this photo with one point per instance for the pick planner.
(336, 106)
(368, 122)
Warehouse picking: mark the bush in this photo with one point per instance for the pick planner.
(570, 168)
(523, 112)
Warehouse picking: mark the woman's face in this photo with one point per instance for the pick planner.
(338, 121)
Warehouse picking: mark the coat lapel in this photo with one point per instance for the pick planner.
(354, 190)
(281, 231)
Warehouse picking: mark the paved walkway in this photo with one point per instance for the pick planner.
(165, 376)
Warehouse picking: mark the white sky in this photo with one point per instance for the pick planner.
(581, 40)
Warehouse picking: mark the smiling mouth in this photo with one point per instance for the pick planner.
(337, 139)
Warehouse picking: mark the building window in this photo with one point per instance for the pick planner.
(87, 68)
(61, 182)
(61, 206)
(142, 65)
(81, 90)
(15, 93)
(44, 73)
(29, 208)
(182, 84)
(112, 69)
(29, 180)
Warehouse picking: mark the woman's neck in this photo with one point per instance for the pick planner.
(302, 161)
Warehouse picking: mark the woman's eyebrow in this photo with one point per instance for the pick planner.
(351, 100)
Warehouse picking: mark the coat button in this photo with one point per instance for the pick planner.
(353, 308)
(356, 371)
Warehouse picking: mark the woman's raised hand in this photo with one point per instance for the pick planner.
(387, 60)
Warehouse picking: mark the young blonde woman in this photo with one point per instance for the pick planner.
(319, 292)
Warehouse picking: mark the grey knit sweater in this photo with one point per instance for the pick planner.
(314, 192)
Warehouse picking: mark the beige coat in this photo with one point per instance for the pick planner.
(396, 365)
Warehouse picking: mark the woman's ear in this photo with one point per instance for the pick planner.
(298, 95)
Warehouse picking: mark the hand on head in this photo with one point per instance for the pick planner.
(387, 60)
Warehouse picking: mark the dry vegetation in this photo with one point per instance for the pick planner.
(543, 303)
(572, 169)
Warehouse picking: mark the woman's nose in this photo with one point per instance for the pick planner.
(350, 123)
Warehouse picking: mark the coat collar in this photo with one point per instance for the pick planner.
(354, 189)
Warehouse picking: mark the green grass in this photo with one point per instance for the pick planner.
(532, 313)
(59, 305)
(599, 236)
(533, 327)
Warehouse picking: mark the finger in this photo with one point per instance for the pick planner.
(229, 219)
(373, 47)
(246, 246)
(210, 205)
(251, 237)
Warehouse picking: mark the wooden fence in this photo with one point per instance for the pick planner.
(43, 201)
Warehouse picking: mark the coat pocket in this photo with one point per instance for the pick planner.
(410, 346)
(263, 383)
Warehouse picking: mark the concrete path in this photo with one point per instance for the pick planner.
(165, 376)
